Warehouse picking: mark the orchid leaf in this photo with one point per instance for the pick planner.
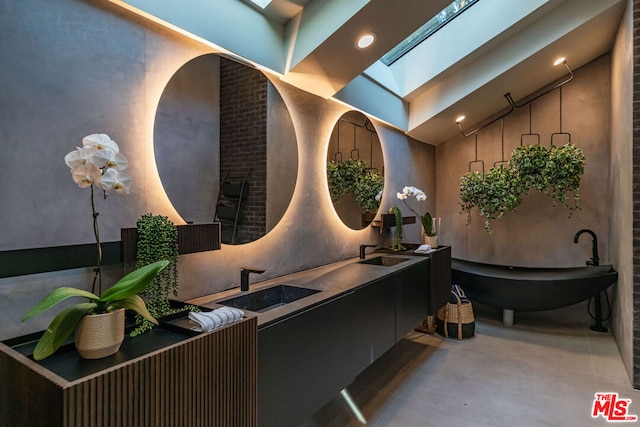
(60, 328)
(136, 304)
(134, 282)
(55, 297)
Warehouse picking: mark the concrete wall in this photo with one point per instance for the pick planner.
(621, 187)
(537, 235)
(75, 67)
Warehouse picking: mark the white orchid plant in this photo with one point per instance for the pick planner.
(426, 220)
(97, 163)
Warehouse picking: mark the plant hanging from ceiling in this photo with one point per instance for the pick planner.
(353, 177)
(555, 171)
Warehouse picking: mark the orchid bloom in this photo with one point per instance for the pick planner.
(107, 158)
(86, 175)
(80, 156)
(100, 141)
(119, 182)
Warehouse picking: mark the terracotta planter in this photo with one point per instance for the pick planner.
(100, 335)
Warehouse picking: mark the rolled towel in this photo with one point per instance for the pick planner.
(208, 321)
(423, 249)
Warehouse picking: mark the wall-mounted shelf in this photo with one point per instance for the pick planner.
(389, 220)
(191, 238)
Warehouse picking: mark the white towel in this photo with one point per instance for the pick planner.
(208, 321)
(423, 249)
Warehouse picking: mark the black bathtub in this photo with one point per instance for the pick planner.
(530, 289)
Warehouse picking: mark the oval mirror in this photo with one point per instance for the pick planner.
(355, 170)
(225, 147)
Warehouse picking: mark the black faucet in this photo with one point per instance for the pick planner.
(595, 259)
(363, 248)
(244, 276)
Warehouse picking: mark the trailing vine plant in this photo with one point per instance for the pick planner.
(157, 240)
(555, 171)
(352, 176)
(397, 233)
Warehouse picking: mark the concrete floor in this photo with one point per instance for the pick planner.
(523, 376)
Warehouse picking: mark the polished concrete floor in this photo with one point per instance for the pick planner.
(522, 376)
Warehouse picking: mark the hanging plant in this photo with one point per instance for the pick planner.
(367, 187)
(529, 163)
(353, 177)
(497, 192)
(554, 170)
(563, 171)
(342, 176)
(157, 240)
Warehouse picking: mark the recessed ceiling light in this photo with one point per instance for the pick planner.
(460, 118)
(261, 3)
(560, 60)
(366, 40)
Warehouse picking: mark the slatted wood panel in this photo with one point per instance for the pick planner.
(210, 380)
(191, 238)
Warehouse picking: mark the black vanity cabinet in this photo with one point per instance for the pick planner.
(307, 359)
(412, 298)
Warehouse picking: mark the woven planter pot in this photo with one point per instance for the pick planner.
(100, 335)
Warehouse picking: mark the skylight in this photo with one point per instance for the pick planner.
(421, 34)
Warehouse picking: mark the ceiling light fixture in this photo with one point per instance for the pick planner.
(560, 60)
(460, 118)
(366, 40)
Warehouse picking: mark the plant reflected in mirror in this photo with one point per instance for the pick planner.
(355, 170)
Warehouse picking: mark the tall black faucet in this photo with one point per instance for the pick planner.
(244, 276)
(595, 259)
(363, 248)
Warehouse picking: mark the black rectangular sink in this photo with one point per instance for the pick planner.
(269, 298)
(386, 261)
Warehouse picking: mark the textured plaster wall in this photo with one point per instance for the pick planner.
(621, 186)
(75, 67)
(538, 235)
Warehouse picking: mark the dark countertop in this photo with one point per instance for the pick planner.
(333, 280)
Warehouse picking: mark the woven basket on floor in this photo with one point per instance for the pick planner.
(456, 319)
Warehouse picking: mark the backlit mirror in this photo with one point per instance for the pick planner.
(225, 147)
(355, 170)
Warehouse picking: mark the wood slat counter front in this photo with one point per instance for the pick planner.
(162, 378)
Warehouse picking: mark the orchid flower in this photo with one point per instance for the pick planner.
(80, 156)
(119, 182)
(86, 175)
(100, 141)
(107, 158)
(426, 219)
(99, 162)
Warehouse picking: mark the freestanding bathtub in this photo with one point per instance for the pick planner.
(530, 289)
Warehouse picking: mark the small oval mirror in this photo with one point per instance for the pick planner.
(219, 121)
(355, 170)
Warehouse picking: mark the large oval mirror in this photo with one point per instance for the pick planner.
(355, 170)
(225, 147)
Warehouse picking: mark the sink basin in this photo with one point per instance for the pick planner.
(384, 260)
(269, 298)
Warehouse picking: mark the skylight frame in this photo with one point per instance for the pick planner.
(422, 33)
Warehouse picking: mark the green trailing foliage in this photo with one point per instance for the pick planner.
(397, 233)
(124, 294)
(157, 240)
(555, 171)
(352, 176)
